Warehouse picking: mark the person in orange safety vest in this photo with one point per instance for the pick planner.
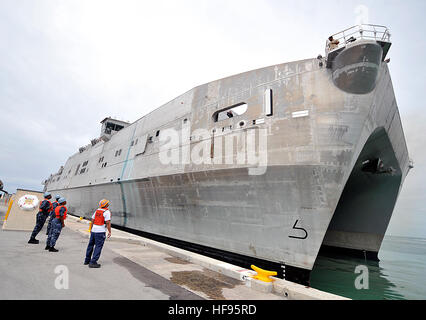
(44, 210)
(101, 221)
(57, 225)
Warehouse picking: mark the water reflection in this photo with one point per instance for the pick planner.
(400, 274)
(336, 274)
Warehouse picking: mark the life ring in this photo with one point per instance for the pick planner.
(28, 202)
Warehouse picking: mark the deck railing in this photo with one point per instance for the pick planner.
(363, 31)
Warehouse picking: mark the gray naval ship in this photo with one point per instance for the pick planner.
(266, 167)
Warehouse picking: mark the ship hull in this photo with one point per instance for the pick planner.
(309, 192)
(279, 219)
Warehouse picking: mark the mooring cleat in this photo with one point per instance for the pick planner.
(263, 275)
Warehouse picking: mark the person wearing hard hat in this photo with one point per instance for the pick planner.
(57, 225)
(52, 214)
(101, 220)
(44, 210)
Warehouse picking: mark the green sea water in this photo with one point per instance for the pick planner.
(400, 274)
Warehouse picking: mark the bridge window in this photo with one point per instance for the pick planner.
(112, 126)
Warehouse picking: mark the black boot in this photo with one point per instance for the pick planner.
(52, 249)
(33, 240)
(94, 265)
(47, 247)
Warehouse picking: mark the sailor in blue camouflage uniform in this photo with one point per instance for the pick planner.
(52, 214)
(57, 225)
(44, 211)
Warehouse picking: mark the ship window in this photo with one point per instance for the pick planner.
(230, 112)
(136, 141)
(112, 126)
(157, 133)
(109, 126)
(83, 170)
(76, 171)
(132, 143)
(85, 163)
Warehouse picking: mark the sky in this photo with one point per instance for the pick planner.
(66, 65)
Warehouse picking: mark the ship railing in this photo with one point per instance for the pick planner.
(359, 32)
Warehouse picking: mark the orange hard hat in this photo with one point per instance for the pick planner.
(104, 203)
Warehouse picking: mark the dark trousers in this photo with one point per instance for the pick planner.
(55, 231)
(49, 224)
(40, 220)
(96, 243)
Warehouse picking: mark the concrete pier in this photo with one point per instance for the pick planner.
(133, 268)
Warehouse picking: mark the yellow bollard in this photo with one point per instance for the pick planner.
(81, 218)
(8, 209)
(263, 275)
